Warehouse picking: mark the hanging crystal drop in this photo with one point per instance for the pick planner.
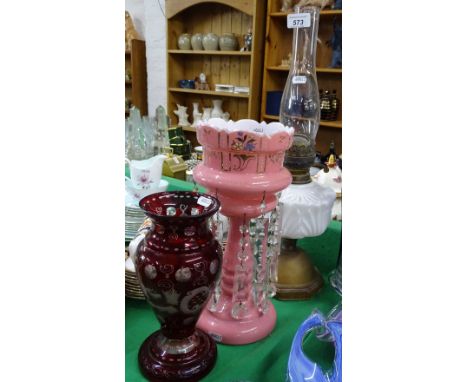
(213, 227)
(274, 250)
(238, 296)
(215, 296)
(263, 204)
(220, 232)
(213, 307)
(239, 310)
(242, 242)
(243, 229)
(257, 227)
(254, 267)
(239, 307)
(271, 290)
(242, 255)
(262, 303)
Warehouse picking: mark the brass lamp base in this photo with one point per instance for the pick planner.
(298, 278)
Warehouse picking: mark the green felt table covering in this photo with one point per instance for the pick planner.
(265, 360)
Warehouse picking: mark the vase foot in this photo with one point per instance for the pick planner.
(298, 278)
(187, 360)
(227, 330)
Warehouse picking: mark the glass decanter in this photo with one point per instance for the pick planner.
(300, 104)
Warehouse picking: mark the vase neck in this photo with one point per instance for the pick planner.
(185, 234)
(305, 43)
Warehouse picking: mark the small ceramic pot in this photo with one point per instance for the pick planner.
(210, 41)
(183, 42)
(197, 41)
(228, 41)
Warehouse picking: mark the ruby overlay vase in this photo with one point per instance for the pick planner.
(177, 263)
(243, 167)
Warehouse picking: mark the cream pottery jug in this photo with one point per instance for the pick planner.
(146, 174)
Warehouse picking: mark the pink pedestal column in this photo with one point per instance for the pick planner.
(242, 168)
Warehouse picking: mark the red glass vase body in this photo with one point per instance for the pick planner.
(177, 263)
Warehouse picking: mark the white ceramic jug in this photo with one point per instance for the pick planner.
(181, 112)
(196, 115)
(146, 174)
(217, 109)
(206, 113)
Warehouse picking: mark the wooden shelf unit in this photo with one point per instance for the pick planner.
(136, 89)
(278, 43)
(208, 92)
(334, 124)
(318, 70)
(323, 13)
(220, 67)
(210, 52)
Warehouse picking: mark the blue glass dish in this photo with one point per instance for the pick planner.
(187, 84)
(300, 367)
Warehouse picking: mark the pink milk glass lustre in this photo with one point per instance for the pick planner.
(243, 167)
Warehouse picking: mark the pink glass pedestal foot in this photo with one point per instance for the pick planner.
(237, 332)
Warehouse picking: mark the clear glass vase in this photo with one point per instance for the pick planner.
(300, 104)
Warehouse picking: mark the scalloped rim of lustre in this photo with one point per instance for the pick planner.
(251, 126)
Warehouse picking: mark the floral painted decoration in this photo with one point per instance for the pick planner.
(144, 179)
(243, 143)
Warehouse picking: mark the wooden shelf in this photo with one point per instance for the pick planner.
(327, 12)
(335, 124)
(318, 70)
(211, 52)
(209, 93)
(189, 128)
